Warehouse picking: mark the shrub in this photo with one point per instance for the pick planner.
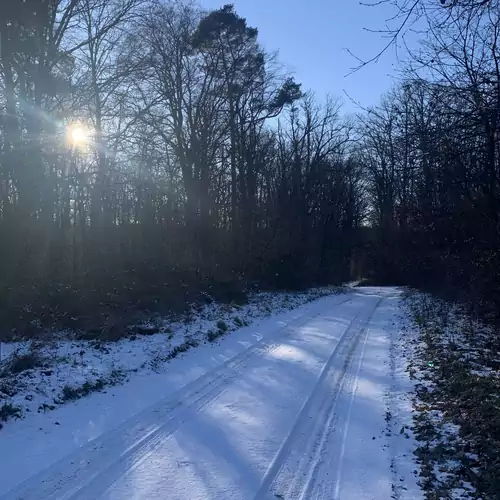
(9, 388)
(70, 393)
(240, 322)
(222, 326)
(213, 335)
(181, 348)
(23, 362)
(8, 410)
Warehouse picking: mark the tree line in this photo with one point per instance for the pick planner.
(431, 151)
(152, 153)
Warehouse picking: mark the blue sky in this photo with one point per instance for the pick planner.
(311, 37)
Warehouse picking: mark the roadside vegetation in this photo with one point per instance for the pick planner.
(456, 364)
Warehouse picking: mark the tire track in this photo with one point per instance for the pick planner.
(292, 473)
(94, 467)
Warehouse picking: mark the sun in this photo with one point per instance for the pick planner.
(78, 134)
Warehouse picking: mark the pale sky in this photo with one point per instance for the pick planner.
(311, 37)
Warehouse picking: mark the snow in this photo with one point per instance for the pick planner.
(400, 413)
(72, 363)
(292, 406)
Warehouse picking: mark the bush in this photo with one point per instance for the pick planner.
(182, 348)
(213, 335)
(24, 362)
(8, 388)
(8, 410)
(222, 326)
(70, 393)
(238, 322)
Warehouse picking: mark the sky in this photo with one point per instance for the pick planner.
(312, 36)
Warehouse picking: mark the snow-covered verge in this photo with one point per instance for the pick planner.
(39, 376)
(400, 413)
(454, 361)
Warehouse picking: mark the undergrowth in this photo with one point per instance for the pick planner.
(71, 393)
(8, 410)
(457, 401)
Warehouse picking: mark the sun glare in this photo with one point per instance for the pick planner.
(78, 134)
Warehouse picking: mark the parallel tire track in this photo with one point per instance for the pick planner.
(292, 473)
(93, 467)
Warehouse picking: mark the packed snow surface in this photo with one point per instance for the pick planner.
(294, 406)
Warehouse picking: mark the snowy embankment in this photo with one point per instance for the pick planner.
(307, 403)
(36, 377)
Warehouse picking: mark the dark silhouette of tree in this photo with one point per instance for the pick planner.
(151, 154)
(431, 153)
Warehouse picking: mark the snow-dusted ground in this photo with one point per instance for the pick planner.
(293, 406)
(65, 367)
(454, 363)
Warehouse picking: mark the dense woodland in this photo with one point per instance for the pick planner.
(431, 153)
(153, 154)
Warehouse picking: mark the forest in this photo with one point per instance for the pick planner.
(153, 154)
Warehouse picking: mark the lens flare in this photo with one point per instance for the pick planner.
(78, 134)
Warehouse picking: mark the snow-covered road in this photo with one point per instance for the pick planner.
(299, 412)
